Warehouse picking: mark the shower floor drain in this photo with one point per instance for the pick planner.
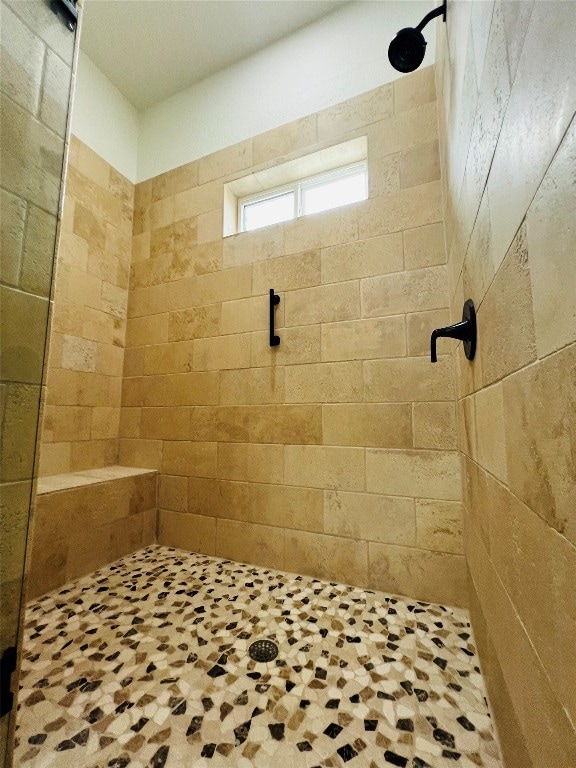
(263, 650)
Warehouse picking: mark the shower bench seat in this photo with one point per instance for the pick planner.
(85, 520)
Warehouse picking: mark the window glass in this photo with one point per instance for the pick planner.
(334, 192)
(312, 195)
(271, 210)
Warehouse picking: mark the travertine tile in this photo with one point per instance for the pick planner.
(21, 62)
(539, 420)
(197, 388)
(409, 379)
(12, 225)
(550, 237)
(193, 202)
(210, 288)
(356, 112)
(79, 354)
(407, 209)
(515, 651)
(516, 19)
(275, 505)
(419, 327)
(403, 131)
(324, 383)
(251, 462)
(168, 423)
(191, 258)
(414, 89)
(510, 292)
(175, 357)
(301, 270)
(260, 544)
(378, 425)
(428, 575)
(364, 339)
(105, 423)
(284, 424)
(439, 525)
(18, 438)
(325, 467)
(297, 345)
(66, 423)
(173, 493)
(490, 432)
(384, 176)
(14, 509)
(284, 140)
(420, 165)
(372, 517)
(539, 110)
(251, 247)
(325, 556)
(54, 458)
(252, 314)
(24, 320)
(140, 453)
(195, 532)
(413, 291)
(210, 226)
(323, 304)
(417, 473)
(252, 386)
(189, 458)
(194, 323)
(434, 425)
(129, 422)
(363, 258)
(320, 230)
(162, 212)
(92, 166)
(222, 352)
(480, 263)
(225, 161)
(424, 246)
(147, 330)
(85, 454)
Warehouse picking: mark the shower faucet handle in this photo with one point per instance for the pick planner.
(466, 331)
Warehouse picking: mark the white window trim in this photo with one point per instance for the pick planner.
(297, 187)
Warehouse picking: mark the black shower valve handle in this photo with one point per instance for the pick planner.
(465, 331)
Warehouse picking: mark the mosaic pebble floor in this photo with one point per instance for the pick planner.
(145, 664)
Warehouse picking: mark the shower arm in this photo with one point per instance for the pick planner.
(441, 10)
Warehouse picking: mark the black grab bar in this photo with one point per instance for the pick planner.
(274, 300)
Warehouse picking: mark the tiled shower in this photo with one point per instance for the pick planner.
(395, 528)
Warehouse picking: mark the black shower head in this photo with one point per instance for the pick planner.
(407, 49)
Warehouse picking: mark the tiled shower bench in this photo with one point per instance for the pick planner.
(84, 520)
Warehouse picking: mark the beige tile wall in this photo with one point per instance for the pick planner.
(84, 378)
(507, 98)
(335, 453)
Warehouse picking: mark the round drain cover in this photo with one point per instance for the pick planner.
(263, 650)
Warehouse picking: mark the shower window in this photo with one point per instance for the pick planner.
(312, 195)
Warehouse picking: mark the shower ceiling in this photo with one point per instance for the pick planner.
(151, 49)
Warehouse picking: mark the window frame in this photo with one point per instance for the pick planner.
(297, 187)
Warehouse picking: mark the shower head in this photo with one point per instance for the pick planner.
(407, 49)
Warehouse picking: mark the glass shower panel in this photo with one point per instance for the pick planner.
(37, 50)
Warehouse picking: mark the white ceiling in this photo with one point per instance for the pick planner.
(152, 49)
